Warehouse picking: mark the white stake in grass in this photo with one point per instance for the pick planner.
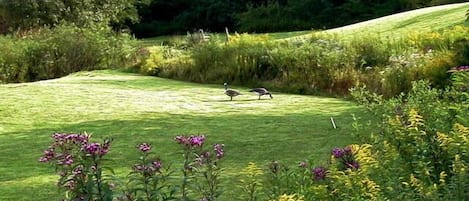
(333, 123)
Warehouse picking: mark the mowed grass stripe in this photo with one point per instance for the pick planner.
(132, 109)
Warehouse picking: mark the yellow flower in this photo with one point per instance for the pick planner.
(293, 197)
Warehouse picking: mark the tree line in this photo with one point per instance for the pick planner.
(147, 18)
(161, 17)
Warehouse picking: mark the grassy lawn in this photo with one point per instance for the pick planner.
(425, 19)
(133, 109)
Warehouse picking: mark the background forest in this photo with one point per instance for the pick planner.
(148, 18)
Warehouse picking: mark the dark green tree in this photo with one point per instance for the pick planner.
(25, 14)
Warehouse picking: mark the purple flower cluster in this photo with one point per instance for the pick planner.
(144, 147)
(190, 141)
(338, 152)
(79, 139)
(66, 159)
(48, 155)
(96, 149)
(459, 68)
(62, 148)
(148, 169)
(319, 173)
(204, 157)
(78, 170)
(219, 152)
(345, 155)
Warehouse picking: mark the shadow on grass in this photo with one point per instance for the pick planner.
(235, 100)
(257, 138)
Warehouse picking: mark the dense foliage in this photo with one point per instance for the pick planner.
(52, 53)
(170, 17)
(27, 14)
(322, 63)
(50, 39)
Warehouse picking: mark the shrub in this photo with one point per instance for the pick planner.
(415, 132)
(149, 178)
(79, 164)
(63, 50)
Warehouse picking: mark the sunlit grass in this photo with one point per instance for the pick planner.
(134, 109)
(426, 19)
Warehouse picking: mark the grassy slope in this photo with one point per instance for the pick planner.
(134, 109)
(425, 19)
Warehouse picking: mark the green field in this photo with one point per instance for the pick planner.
(421, 20)
(133, 109)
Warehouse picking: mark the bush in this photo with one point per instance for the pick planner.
(420, 139)
(52, 53)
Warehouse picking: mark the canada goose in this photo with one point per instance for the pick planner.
(230, 92)
(260, 92)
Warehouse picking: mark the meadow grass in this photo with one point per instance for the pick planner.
(133, 109)
(159, 40)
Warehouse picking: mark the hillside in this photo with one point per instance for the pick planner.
(424, 19)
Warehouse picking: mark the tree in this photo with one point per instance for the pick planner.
(25, 14)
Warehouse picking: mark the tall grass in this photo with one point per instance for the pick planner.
(323, 63)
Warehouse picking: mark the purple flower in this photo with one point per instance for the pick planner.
(348, 150)
(92, 148)
(197, 141)
(219, 152)
(144, 147)
(70, 184)
(44, 160)
(105, 147)
(157, 165)
(71, 138)
(182, 140)
(78, 170)
(459, 68)
(191, 141)
(67, 160)
(58, 136)
(338, 152)
(319, 173)
(353, 165)
(48, 155)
